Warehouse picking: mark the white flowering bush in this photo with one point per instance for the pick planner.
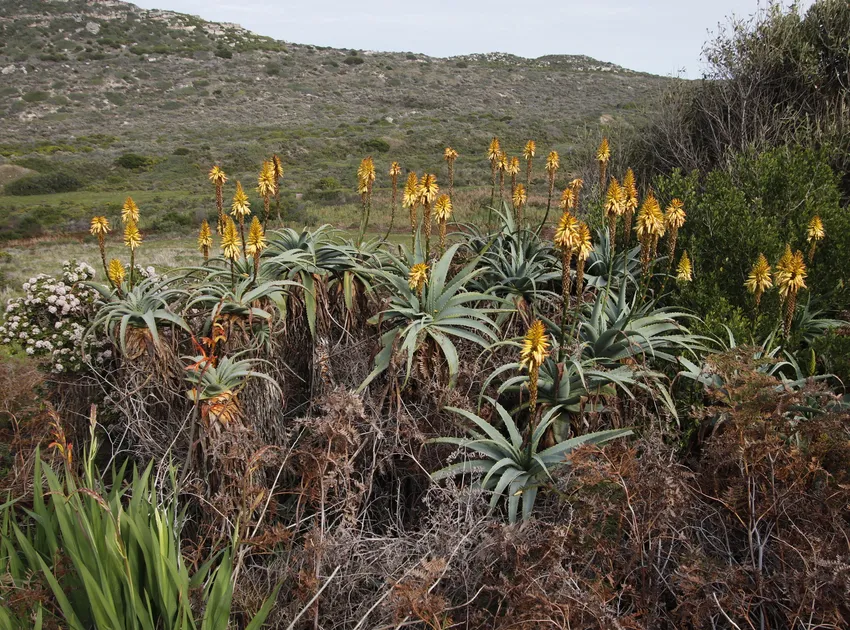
(50, 319)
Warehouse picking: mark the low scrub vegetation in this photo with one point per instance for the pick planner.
(491, 423)
(43, 184)
(624, 409)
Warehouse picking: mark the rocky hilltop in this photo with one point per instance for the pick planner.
(86, 81)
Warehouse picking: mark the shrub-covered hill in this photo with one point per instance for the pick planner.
(85, 82)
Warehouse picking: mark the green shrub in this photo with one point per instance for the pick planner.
(353, 61)
(44, 184)
(833, 353)
(376, 145)
(224, 53)
(757, 205)
(116, 99)
(133, 161)
(35, 97)
(182, 151)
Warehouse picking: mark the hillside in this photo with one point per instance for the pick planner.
(84, 82)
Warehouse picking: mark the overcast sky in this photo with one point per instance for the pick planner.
(660, 36)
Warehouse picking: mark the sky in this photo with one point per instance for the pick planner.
(660, 36)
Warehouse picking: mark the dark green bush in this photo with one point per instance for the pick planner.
(133, 161)
(172, 220)
(832, 351)
(44, 184)
(376, 145)
(353, 61)
(774, 78)
(35, 97)
(224, 53)
(756, 205)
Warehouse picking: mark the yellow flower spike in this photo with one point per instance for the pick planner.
(576, 185)
(614, 207)
(365, 180)
(553, 163)
(267, 187)
(603, 153)
(442, 212)
(614, 200)
(218, 178)
(205, 240)
(409, 200)
(99, 226)
(674, 218)
(116, 272)
(132, 236)
(583, 244)
(277, 169)
(535, 346)
(230, 240)
(649, 227)
(759, 279)
(450, 155)
(395, 169)
(240, 207)
(528, 153)
(568, 199)
(790, 278)
(814, 233)
(566, 232)
(130, 211)
(684, 272)
(583, 248)
(365, 176)
(410, 197)
(603, 156)
(266, 180)
(631, 195)
(428, 190)
(256, 238)
(443, 208)
(256, 244)
(513, 166)
(535, 349)
(418, 278)
(566, 238)
(519, 197)
(513, 170)
(494, 150)
(132, 239)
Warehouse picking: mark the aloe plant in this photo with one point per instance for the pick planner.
(143, 307)
(513, 467)
(616, 329)
(439, 313)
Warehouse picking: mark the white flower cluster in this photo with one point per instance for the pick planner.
(148, 273)
(50, 319)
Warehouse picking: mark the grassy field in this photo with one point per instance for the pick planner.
(176, 246)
